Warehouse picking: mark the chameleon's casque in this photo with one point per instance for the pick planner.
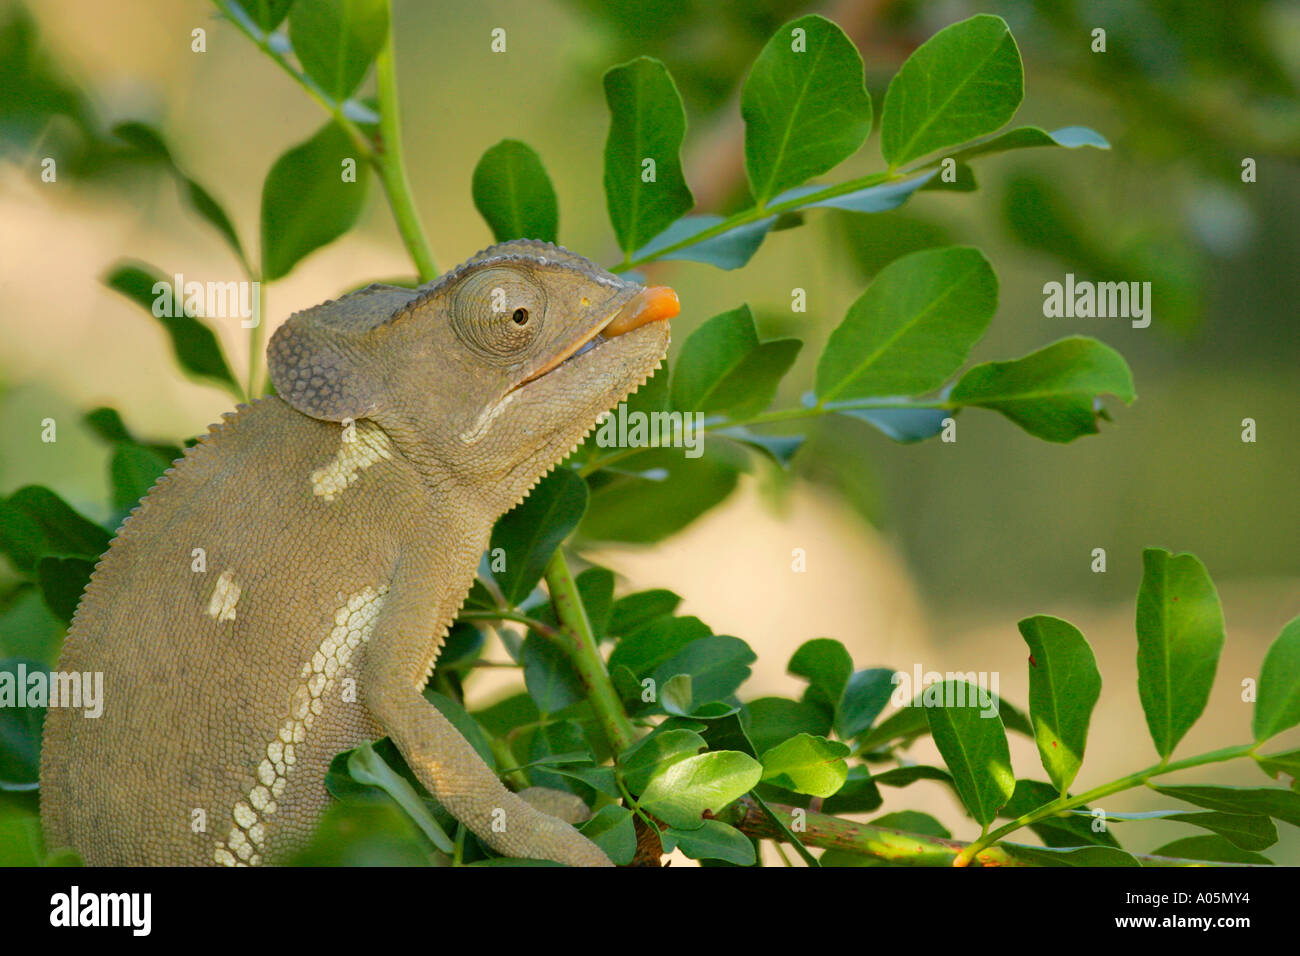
(282, 593)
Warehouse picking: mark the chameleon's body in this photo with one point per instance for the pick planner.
(281, 594)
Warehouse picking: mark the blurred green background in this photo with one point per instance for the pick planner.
(981, 532)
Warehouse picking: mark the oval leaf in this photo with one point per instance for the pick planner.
(337, 40)
(1053, 393)
(805, 106)
(912, 328)
(1179, 635)
(533, 529)
(1063, 688)
(644, 186)
(305, 201)
(684, 791)
(1278, 706)
(807, 764)
(724, 369)
(194, 345)
(965, 81)
(970, 736)
(514, 195)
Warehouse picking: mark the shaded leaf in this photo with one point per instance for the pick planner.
(195, 346)
(964, 82)
(647, 123)
(34, 521)
(337, 40)
(912, 328)
(1180, 636)
(1063, 689)
(306, 203)
(714, 840)
(974, 747)
(1211, 848)
(805, 106)
(514, 195)
(1051, 393)
(533, 529)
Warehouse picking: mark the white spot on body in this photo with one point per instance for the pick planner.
(224, 597)
(354, 622)
(369, 447)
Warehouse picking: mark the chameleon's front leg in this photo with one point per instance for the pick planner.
(447, 765)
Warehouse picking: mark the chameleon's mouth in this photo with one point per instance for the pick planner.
(651, 304)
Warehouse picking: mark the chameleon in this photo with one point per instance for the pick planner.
(282, 593)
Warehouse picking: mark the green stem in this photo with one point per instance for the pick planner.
(767, 418)
(755, 214)
(391, 165)
(879, 843)
(500, 614)
(255, 345)
(585, 655)
(1063, 804)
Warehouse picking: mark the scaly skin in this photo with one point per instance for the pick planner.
(282, 593)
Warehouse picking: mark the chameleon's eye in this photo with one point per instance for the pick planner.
(498, 312)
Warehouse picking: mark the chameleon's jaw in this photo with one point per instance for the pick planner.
(651, 304)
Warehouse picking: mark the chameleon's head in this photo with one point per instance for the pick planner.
(492, 373)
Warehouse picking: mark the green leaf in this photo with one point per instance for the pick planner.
(655, 643)
(827, 667)
(672, 491)
(912, 328)
(647, 124)
(1030, 137)
(717, 665)
(514, 195)
(548, 675)
(1287, 763)
(20, 733)
(1070, 856)
(1212, 849)
(1278, 705)
(195, 346)
(134, 469)
(778, 449)
(865, 696)
(684, 791)
(1281, 804)
(306, 203)
(805, 106)
(859, 794)
(1063, 688)
(1179, 635)
(530, 533)
(715, 840)
(655, 753)
(974, 746)
(807, 764)
(903, 425)
(149, 141)
(1060, 830)
(267, 14)
(965, 81)
(1250, 831)
(913, 821)
(641, 607)
(776, 719)
(62, 582)
(337, 40)
(1052, 393)
(366, 766)
(729, 249)
(909, 774)
(724, 369)
(613, 829)
(34, 522)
